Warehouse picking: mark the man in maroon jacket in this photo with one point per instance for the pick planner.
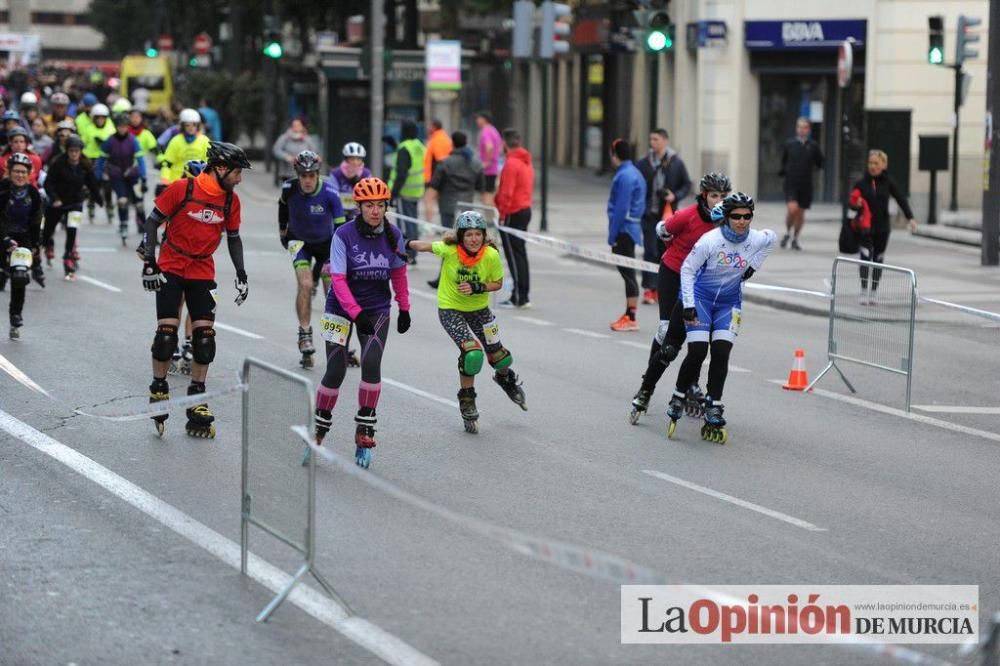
(680, 232)
(513, 201)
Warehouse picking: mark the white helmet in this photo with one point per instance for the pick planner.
(189, 116)
(99, 110)
(29, 98)
(354, 149)
(121, 105)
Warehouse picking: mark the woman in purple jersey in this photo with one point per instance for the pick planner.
(366, 257)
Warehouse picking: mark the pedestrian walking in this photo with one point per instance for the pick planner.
(667, 184)
(626, 205)
(870, 196)
(800, 157)
(287, 147)
(439, 147)
(513, 202)
(490, 149)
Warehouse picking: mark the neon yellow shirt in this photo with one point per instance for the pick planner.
(488, 269)
(179, 152)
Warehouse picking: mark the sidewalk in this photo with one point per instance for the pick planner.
(945, 271)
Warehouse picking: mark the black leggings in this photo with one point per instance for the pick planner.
(625, 246)
(672, 310)
(16, 291)
(53, 216)
(372, 347)
(873, 249)
(718, 367)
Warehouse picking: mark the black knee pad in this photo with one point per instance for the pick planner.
(203, 345)
(668, 353)
(164, 342)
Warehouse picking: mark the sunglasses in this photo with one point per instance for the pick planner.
(741, 216)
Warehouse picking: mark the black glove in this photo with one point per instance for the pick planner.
(284, 240)
(403, 322)
(242, 287)
(364, 323)
(145, 186)
(690, 315)
(478, 287)
(748, 273)
(152, 278)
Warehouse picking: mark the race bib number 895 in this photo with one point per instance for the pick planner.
(334, 329)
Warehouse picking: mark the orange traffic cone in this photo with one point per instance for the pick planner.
(798, 380)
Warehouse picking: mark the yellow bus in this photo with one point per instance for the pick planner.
(152, 75)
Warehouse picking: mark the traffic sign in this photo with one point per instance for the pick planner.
(165, 43)
(845, 63)
(202, 43)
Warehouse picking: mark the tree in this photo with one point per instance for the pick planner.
(125, 24)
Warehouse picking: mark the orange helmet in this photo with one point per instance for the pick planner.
(371, 189)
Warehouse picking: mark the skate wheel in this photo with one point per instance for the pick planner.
(671, 429)
(721, 436)
(634, 415)
(363, 457)
(472, 427)
(306, 454)
(202, 433)
(160, 428)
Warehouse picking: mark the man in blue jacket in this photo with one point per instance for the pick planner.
(626, 205)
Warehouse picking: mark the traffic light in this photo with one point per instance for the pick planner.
(549, 42)
(524, 28)
(935, 48)
(965, 37)
(151, 51)
(656, 28)
(272, 37)
(272, 49)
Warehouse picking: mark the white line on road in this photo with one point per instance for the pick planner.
(17, 374)
(415, 391)
(784, 517)
(920, 418)
(98, 283)
(369, 636)
(632, 343)
(238, 331)
(533, 320)
(958, 409)
(88, 250)
(589, 334)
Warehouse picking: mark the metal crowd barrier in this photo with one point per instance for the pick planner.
(278, 496)
(872, 319)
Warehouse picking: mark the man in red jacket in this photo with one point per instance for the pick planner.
(513, 201)
(680, 232)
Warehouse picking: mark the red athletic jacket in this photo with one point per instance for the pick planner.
(517, 182)
(687, 226)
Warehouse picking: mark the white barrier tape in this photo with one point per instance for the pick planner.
(976, 312)
(789, 290)
(416, 220)
(164, 406)
(585, 561)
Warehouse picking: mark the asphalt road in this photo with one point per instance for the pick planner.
(87, 578)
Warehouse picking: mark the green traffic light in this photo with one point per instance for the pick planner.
(658, 40)
(193, 62)
(152, 53)
(935, 56)
(273, 50)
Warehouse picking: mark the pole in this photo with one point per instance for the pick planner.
(991, 195)
(953, 204)
(654, 90)
(545, 144)
(932, 213)
(377, 114)
(845, 144)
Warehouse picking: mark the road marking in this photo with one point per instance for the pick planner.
(589, 334)
(238, 331)
(784, 517)
(920, 418)
(423, 394)
(362, 632)
(88, 250)
(533, 320)
(98, 283)
(24, 379)
(958, 409)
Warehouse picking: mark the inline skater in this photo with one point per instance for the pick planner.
(20, 218)
(70, 177)
(197, 212)
(58, 111)
(681, 231)
(188, 144)
(18, 143)
(64, 130)
(470, 269)
(94, 135)
(712, 280)
(122, 162)
(309, 210)
(366, 257)
(351, 170)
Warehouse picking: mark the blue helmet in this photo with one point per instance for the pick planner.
(470, 219)
(90, 99)
(10, 115)
(193, 168)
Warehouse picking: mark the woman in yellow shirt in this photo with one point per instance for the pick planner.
(470, 269)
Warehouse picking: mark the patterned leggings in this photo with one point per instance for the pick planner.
(466, 326)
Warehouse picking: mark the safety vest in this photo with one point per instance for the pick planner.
(413, 186)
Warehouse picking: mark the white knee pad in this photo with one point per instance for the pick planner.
(661, 331)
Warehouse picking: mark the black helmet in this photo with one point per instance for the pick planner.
(736, 200)
(715, 182)
(306, 162)
(19, 158)
(229, 155)
(74, 141)
(120, 118)
(17, 131)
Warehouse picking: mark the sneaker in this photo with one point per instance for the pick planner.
(433, 284)
(795, 244)
(507, 304)
(624, 324)
(524, 305)
(784, 241)
(648, 297)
